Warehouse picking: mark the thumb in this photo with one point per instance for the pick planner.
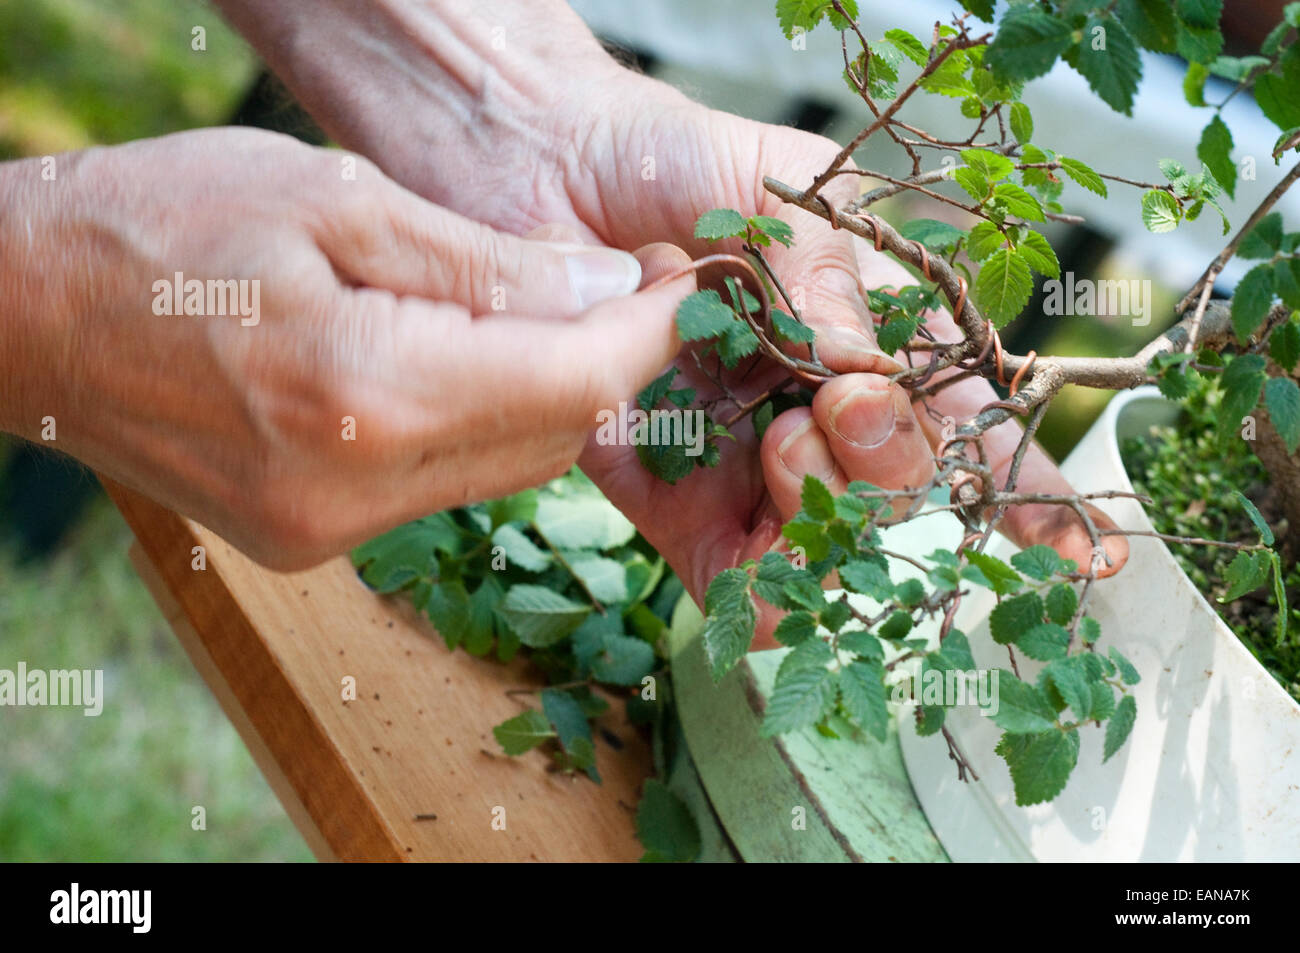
(386, 237)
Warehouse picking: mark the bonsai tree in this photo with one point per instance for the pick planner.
(1234, 361)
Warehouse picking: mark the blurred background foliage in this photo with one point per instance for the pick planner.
(75, 73)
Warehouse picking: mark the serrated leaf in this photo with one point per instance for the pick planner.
(796, 627)
(1062, 601)
(993, 166)
(1001, 578)
(1084, 176)
(665, 826)
(909, 46)
(1045, 642)
(582, 521)
(1261, 525)
(788, 329)
(1108, 58)
(1019, 202)
(624, 660)
(1282, 398)
(720, 223)
(1242, 382)
(1037, 562)
(1119, 726)
(1265, 239)
(896, 626)
(868, 578)
(1252, 300)
(1151, 22)
(1027, 45)
(1038, 252)
(1160, 212)
(985, 239)
(400, 556)
(1127, 671)
(523, 732)
(1089, 630)
(799, 699)
(448, 608)
(729, 620)
(931, 233)
(1022, 708)
(604, 578)
(862, 693)
(1003, 287)
(775, 228)
(1040, 763)
(976, 186)
(817, 500)
(1246, 573)
(1022, 122)
(1013, 617)
(540, 616)
(1215, 150)
(1069, 678)
(703, 315)
(1284, 345)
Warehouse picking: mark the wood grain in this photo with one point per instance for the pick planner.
(275, 649)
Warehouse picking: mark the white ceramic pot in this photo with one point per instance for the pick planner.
(1211, 771)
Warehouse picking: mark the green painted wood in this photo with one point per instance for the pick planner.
(854, 796)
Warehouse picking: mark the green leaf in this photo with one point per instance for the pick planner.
(480, 624)
(625, 660)
(773, 228)
(896, 626)
(1040, 763)
(862, 693)
(1013, 617)
(448, 609)
(1282, 398)
(1022, 123)
(1160, 211)
(798, 699)
(665, 826)
(604, 578)
(1252, 300)
(933, 234)
(1001, 578)
(1215, 150)
(523, 732)
(1037, 562)
(991, 165)
(868, 578)
(1062, 602)
(1045, 642)
(729, 620)
(1103, 701)
(1019, 202)
(1027, 45)
(1003, 287)
(656, 390)
(738, 343)
(566, 717)
(981, 8)
(1198, 74)
(1113, 71)
(720, 223)
(788, 329)
(540, 616)
(1246, 573)
(1127, 672)
(1278, 93)
(862, 643)
(582, 521)
(1242, 381)
(985, 239)
(519, 550)
(1084, 175)
(399, 557)
(703, 315)
(1038, 252)
(1199, 13)
(909, 46)
(1279, 594)
(817, 500)
(774, 571)
(1265, 239)
(1151, 22)
(1265, 532)
(976, 186)
(1022, 708)
(1070, 679)
(1089, 630)
(796, 627)
(1119, 726)
(896, 332)
(1284, 345)
(519, 508)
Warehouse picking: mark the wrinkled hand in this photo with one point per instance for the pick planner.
(454, 355)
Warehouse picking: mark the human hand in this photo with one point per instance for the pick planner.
(380, 358)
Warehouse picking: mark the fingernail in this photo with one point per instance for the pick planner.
(598, 274)
(803, 451)
(865, 417)
(855, 348)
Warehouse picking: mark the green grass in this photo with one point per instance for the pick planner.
(120, 786)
